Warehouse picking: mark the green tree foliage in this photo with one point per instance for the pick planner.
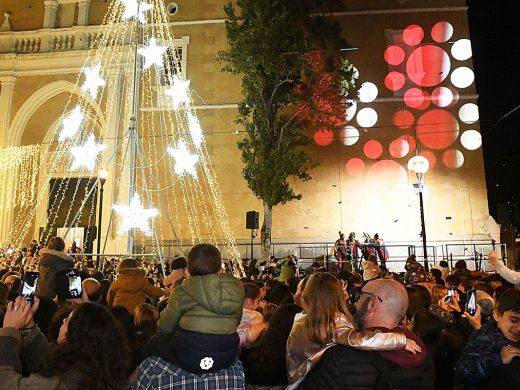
(269, 47)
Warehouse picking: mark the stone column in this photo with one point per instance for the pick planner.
(49, 17)
(83, 12)
(6, 99)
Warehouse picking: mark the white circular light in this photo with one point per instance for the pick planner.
(355, 72)
(461, 49)
(442, 97)
(368, 92)
(350, 112)
(418, 164)
(349, 135)
(471, 139)
(462, 77)
(468, 113)
(366, 117)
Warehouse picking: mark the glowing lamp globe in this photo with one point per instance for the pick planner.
(103, 175)
(418, 164)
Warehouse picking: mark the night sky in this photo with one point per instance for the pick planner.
(496, 52)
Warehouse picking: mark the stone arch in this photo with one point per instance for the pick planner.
(35, 101)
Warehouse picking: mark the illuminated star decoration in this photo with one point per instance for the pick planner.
(184, 161)
(86, 154)
(152, 54)
(71, 124)
(135, 216)
(132, 7)
(179, 92)
(93, 80)
(195, 129)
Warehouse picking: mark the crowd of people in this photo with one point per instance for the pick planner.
(201, 328)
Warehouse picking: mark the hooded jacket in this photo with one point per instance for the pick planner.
(205, 304)
(50, 263)
(131, 289)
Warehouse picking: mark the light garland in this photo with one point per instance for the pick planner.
(86, 154)
(135, 216)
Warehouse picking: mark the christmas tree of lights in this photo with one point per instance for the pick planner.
(131, 112)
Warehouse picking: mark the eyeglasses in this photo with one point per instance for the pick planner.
(374, 295)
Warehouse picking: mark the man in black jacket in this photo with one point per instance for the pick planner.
(381, 306)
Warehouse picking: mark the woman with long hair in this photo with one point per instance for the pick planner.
(91, 352)
(327, 322)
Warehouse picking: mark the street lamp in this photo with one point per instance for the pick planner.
(102, 176)
(419, 165)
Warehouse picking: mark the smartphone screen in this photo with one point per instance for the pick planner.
(451, 291)
(471, 305)
(68, 284)
(30, 279)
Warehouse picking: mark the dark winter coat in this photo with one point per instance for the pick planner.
(51, 262)
(344, 368)
(481, 359)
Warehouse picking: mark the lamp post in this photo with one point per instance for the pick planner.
(419, 165)
(102, 177)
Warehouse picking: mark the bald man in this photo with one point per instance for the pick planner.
(381, 306)
(93, 289)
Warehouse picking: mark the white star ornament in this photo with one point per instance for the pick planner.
(184, 161)
(179, 91)
(93, 80)
(133, 8)
(86, 154)
(71, 124)
(152, 54)
(135, 216)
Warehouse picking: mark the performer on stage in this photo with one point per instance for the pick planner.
(340, 250)
(381, 251)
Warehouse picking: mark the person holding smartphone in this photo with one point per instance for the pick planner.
(492, 347)
(52, 260)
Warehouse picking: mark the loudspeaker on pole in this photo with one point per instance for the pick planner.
(252, 218)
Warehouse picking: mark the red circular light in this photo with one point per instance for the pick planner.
(391, 171)
(453, 158)
(413, 35)
(442, 31)
(323, 137)
(355, 167)
(426, 101)
(403, 119)
(394, 81)
(394, 55)
(437, 129)
(414, 97)
(430, 156)
(373, 149)
(428, 65)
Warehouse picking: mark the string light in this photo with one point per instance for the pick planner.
(86, 154)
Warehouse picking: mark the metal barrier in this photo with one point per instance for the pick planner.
(475, 254)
